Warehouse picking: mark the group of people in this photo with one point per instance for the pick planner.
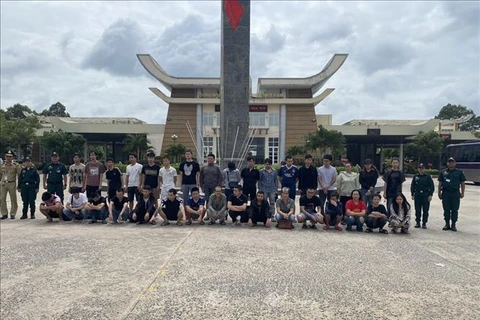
(148, 192)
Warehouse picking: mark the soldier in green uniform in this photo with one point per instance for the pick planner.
(28, 184)
(9, 171)
(52, 176)
(422, 189)
(449, 183)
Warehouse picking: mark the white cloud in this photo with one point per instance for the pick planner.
(406, 59)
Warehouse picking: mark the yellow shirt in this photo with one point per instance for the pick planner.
(9, 172)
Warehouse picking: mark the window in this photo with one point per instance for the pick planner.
(208, 119)
(273, 119)
(207, 146)
(217, 114)
(257, 119)
(273, 149)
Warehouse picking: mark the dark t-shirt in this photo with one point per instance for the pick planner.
(238, 201)
(381, 208)
(195, 205)
(189, 171)
(97, 202)
(118, 204)
(55, 172)
(151, 175)
(310, 204)
(171, 208)
(250, 178)
(394, 182)
(114, 178)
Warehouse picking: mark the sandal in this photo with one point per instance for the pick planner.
(179, 223)
(201, 223)
(338, 228)
(383, 231)
(368, 230)
(165, 223)
(326, 227)
(189, 222)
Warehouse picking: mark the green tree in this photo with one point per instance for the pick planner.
(65, 143)
(56, 110)
(453, 111)
(137, 143)
(18, 131)
(425, 146)
(175, 152)
(99, 150)
(297, 150)
(19, 111)
(324, 140)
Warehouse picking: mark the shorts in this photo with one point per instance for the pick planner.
(305, 217)
(133, 193)
(171, 216)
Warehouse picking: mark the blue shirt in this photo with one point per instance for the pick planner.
(268, 181)
(289, 176)
(196, 205)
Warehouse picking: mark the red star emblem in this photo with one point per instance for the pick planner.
(233, 11)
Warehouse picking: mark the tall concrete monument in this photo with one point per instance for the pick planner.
(235, 79)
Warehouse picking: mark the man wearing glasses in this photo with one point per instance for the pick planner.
(9, 172)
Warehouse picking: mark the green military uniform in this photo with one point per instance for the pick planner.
(422, 189)
(55, 173)
(451, 181)
(8, 184)
(28, 183)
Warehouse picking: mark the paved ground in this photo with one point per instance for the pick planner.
(55, 271)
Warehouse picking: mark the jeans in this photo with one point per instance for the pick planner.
(389, 203)
(186, 190)
(270, 196)
(98, 214)
(350, 221)
(116, 214)
(71, 215)
(365, 198)
(279, 217)
(374, 223)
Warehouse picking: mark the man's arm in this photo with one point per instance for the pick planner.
(462, 189)
(44, 181)
(201, 177)
(440, 189)
(189, 209)
(141, 180)
(334, 178)
(197, 176)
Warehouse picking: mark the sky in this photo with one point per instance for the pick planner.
(406, 59)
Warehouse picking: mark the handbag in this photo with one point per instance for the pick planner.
(231, 184)
(285, 224)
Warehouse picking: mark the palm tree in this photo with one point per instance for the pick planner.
(137, 143)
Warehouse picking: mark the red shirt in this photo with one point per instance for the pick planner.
(359, 207)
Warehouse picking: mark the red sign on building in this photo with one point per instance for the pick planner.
(258, 108)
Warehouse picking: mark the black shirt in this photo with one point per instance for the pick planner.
(381, 208)
(262, 209)
(97, 202)
(151, 175)
(307, 178)
(394, 180)
(238, 201)
(118, 204)
(114, 178)
(310, 204)
(189, 172)
(368, 178)
(171, 208)
(250, 177)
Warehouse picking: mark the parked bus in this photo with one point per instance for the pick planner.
(467, 156)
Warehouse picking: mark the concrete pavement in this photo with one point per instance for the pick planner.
(76, 271)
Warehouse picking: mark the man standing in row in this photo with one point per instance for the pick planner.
(451, 188)
(268, 184)
(327, 177)
(288, 176)
(28, 184)
(422, 189)
(114, 177)
(8, 184)
(210, 176)
(149, 176)
(52, 177)
(167, 178)
(132, 182)
(76, 173)
(94, 171)
(307, 175)
(189, 174)
(250, 176)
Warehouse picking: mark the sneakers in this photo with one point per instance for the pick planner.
(189, 222)
(3, 217)
(360, 229)
(23, 217)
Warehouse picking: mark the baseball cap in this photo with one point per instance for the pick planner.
(421, 165)
(54, 154)
(368, 161)
(451, 159)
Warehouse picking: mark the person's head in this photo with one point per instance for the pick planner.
(150, 157)
(120, 193)
(451, 163)
(348, 167)
(310, 193)
(327, 160)
(237, 190)
(285, 193)
(76, 158)
(75, 191)
(54, 157)
(376, 199)
(195, 193)
(218, 191)
(308, 160)
(395, 163)
(250, 162)
(334, 196)
(260, 196)
(400, 202)
(132, 158)
(92, 155)
(96, 196)
(210, 159)
(231, 166)
(172, 194)
(421, 168)
(9, 156)
(110, 163)
(28, 162)
(166, 161)
(268, 163)
(146, 191)
(367, 164)
(355, 195)
(188, 155)
(46, 196)
(289, 161)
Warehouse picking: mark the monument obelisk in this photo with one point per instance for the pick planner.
(235, 79)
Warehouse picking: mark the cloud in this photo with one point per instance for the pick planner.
(115, 51)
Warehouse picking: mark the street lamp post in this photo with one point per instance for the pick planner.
(174, 138)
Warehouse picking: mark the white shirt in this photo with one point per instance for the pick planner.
(76, 203)
(168, 176)
(327, 175)
(133, 174)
